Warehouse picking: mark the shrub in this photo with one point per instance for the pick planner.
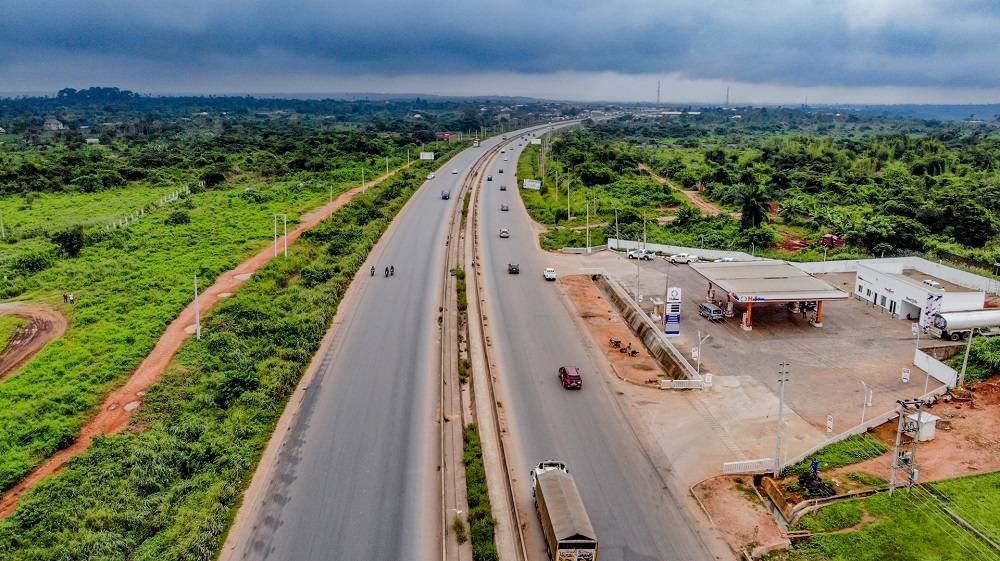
(177, 217)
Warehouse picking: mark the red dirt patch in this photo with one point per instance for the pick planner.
(791, 243)
(604, 323)
(45, 323)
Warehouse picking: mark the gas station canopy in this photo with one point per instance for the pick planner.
(767, 281)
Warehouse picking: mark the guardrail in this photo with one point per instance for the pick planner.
(763, 465)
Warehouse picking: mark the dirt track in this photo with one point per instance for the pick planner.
(118, 406)
(45, 323)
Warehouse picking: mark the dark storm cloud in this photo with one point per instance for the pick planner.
(792, 42)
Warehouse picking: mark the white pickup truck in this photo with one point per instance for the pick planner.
(644, 254)
(683, 258)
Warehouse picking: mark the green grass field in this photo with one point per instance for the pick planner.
(8, 325)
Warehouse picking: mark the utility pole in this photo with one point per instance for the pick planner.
(197, 311)
(285, 217)
(588, 227)
(907, 434)
(782, 378)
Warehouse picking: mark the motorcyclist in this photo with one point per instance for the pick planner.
(387, 271)
(392, 270)
(373, 270)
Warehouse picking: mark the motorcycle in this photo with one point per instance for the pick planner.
(392, 270)
(373, 270)
(633, 352)
(387, 272)
(615, 343)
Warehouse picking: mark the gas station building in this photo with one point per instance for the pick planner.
(736, 285)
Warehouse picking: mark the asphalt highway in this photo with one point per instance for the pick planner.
(636, 512)
(357, 474)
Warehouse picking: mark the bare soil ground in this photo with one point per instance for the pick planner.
(45, 323)
(971, 444)
(790, 243)
(118, 406)
(604, 323)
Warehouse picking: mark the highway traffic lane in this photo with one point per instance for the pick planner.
(361, 455)
(633, 512)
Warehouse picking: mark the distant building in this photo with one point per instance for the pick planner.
(442, 135)
(3, 130)
(93, 141)
(52, 125)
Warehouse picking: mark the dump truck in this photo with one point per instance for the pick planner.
(569, 535)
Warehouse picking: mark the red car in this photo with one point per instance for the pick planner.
(570, 377)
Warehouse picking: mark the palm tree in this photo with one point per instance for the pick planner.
(754, 200)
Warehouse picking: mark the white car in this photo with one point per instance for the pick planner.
(644, 254)
(504, 233)
(549, 274)
(430, 175)
(505, 159)
(454, 170)
(724, 260)
(683, 258)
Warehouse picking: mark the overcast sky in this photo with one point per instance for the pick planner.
(765, 51)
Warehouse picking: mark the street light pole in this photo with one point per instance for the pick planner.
(867, 401)
(700, 341)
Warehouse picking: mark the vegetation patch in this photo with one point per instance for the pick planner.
(857, 448)
(481, 521)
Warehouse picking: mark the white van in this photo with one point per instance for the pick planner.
(711, 311)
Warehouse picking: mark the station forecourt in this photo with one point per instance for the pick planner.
(738, 286)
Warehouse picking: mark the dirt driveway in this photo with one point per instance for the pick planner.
(45, 323)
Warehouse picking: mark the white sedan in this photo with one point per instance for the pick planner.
(430, 175)
(454, 170)
(549, 274)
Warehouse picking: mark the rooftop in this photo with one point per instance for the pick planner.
(767, 281)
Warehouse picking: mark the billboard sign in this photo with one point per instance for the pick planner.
(427, 155)
(532, 184)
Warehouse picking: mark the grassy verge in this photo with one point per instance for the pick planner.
(857, 448)
(907, 525)
(8, 327)
(481, 520)
(976, 499)
(168, 487)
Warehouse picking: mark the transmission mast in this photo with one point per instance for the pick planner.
(907, 435)
(657, 93)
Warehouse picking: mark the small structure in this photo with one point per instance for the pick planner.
(52, 125)
(3, 130)
(928, 425)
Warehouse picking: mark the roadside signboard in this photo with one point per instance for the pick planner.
(531, 184)
(427, 155)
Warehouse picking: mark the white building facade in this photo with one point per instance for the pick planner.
(884, 286)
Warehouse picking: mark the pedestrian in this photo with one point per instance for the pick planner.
(71, 298)
(65, 298)
(815, 466)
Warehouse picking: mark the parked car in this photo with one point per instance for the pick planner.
(513, 268)
(549, 273)
(445, 195)
(504, 207)
(683, 258)
(504, 233)
(643, 254)
(570, 377)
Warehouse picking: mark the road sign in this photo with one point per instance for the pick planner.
(829, 423)
(694, 353)
(906, 374)
(914, 328)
